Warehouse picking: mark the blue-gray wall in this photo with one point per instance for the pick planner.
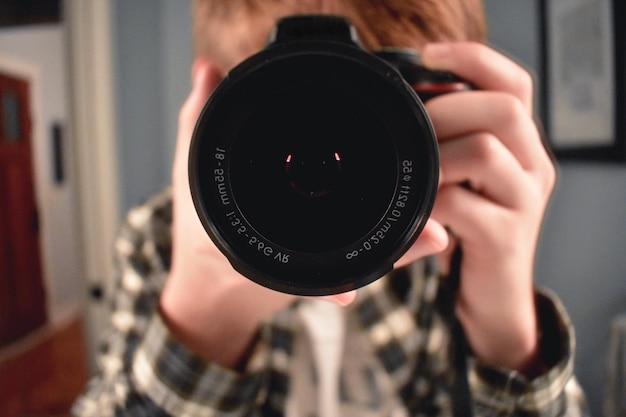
(152, 54)
(583, 248)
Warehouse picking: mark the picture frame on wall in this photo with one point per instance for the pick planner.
(584, 78)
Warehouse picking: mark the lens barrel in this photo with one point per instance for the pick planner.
(314, 166)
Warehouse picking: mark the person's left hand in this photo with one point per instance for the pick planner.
(496, 179)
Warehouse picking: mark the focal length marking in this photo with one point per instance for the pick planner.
(220, 178)
(399, 205)
(235, 219)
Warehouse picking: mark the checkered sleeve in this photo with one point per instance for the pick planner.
(144, 371)
(404, 319)
(553, 393)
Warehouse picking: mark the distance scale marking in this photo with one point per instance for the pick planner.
(400, 203)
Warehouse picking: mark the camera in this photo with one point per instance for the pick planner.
(314, 165)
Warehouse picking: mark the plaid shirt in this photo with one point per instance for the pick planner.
(386, 355)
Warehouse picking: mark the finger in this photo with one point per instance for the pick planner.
(471, 218)
(343, 299)
(483, 163)
(432, 240)
(497, 113)
(483, 67)
(205, 78)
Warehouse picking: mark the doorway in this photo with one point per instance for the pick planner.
(22, 295)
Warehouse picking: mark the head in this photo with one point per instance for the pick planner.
(227, 31)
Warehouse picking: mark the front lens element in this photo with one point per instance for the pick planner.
(319, 180)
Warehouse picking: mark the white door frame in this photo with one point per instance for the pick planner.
(94, 133)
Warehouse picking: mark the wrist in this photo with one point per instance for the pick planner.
(216, 319)
(504, 339)
(196, 324)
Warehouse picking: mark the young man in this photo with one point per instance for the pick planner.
(190, 336)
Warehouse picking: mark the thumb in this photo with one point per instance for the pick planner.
(205, 77)
(434, 239)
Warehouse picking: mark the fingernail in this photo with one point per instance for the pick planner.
(436, 55)
(347, 298)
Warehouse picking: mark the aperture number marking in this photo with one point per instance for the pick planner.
(393, 217)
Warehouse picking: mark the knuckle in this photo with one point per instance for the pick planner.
(548, 176)
(481, 51)
(524, 82)
(484, 149)
(510, 109)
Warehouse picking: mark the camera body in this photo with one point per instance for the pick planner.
(314, 165)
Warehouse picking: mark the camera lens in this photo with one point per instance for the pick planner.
(322, 177)
(313, 170)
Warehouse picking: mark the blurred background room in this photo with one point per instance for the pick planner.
(89, 99)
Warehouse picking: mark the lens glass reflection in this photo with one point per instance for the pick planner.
(320, 179)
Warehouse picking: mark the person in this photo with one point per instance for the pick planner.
(191, 337)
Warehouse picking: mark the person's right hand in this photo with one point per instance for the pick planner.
(209, 306)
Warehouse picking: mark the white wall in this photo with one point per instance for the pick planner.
(38, 53)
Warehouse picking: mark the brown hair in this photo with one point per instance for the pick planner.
(230, 30)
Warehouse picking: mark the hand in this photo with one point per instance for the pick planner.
(207, 305)
(496, 179)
